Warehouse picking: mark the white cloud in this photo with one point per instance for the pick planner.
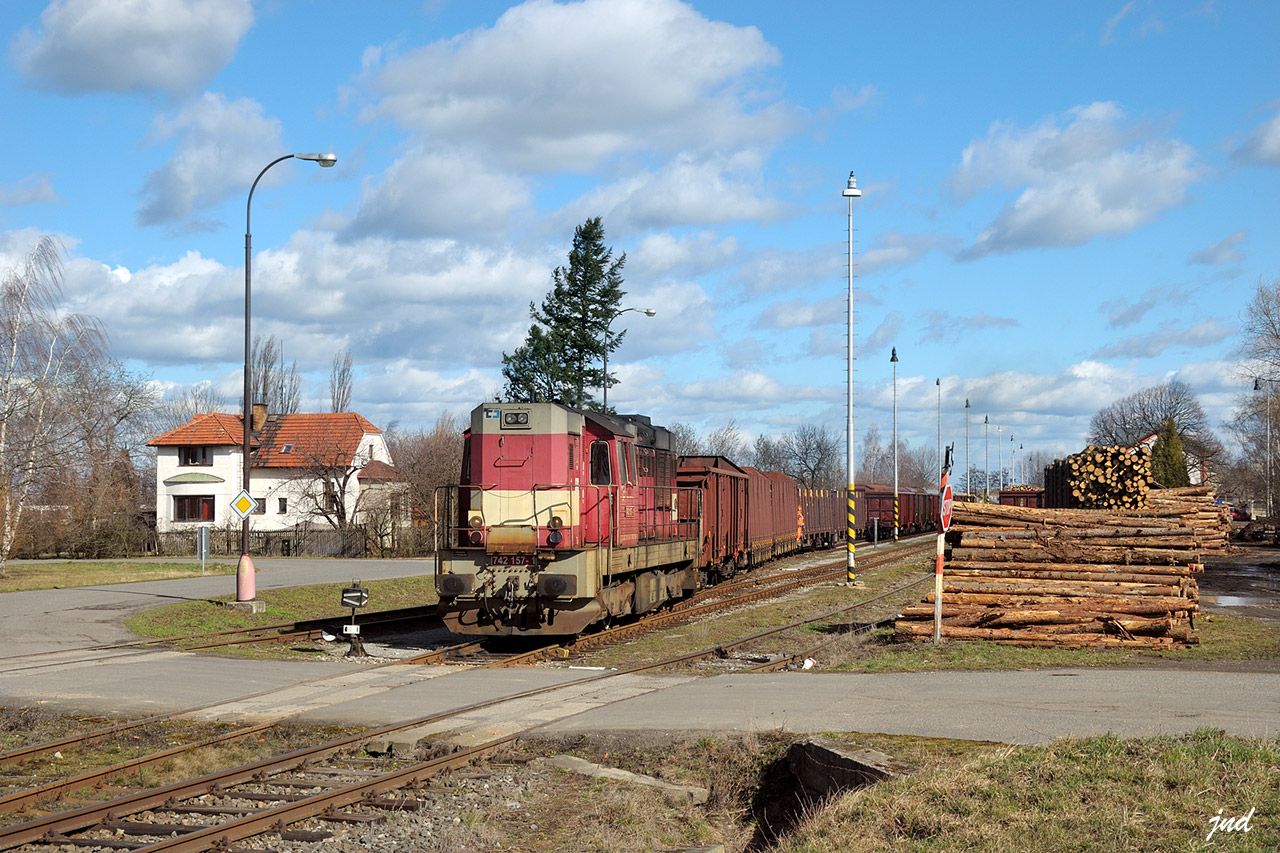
(1081, 175)
(222, 145)
(797, 313)
(1109, 31)
(944, 326)
(1123, 311)
(569, 85)
(885, 333)
(436, 194)
(1202, 334)
(1263, 145)
(1225, 251)
(692, 254)
(33, 189)
(686, 191)
(131, 45)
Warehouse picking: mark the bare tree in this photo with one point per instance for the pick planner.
(728, 441)
(684, 440)
(812, 456)
(875, 461)
(768, 454)
(1140, 414)
(274, 383)
(340, 382)
(1262, 331)
(428, 460)
(45, 359)
(183, 405)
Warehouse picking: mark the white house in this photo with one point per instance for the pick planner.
(1197, 468)
(327, 470)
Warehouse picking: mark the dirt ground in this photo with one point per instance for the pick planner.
(1244, 583)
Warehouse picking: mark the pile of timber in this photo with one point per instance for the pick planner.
(1110, 477)
(1197, 508)
(1071, 577)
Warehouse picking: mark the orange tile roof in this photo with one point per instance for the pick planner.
(285, 441)
(308, 440)
(378, 472)
(215, 428)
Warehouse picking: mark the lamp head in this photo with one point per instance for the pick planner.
(325, 160)
(1257, 384)
(966, 402)
(893, 355)
(852, 190)
(650, 312)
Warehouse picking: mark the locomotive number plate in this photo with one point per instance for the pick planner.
(511, 560)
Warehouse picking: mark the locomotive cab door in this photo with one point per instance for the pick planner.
(597, 496)
(627, 515)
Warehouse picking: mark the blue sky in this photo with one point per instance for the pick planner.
(1063, 203)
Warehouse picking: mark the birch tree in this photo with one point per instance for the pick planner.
(47, 358)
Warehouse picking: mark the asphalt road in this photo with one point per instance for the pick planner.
(1015, 707)
(42, 620)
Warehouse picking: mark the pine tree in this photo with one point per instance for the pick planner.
(558, 360)
(1168, 461)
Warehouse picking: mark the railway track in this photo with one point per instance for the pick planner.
(321, 785)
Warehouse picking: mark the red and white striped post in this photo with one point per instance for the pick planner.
(945, 503)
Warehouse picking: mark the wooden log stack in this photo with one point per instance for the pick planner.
(1073, 577)
(1110, 477)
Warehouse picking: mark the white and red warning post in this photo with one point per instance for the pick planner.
(945, 504)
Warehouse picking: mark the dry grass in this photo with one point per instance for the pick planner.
(1101, 793)
(69, 573)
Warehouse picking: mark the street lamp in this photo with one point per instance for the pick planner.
(851, 517)
(938, 382)
(1013, 462)
(648, 312)
(968, 486)
(1026, 478)
(893, 360)
(986, 459)
(999, 464)
(245, 585)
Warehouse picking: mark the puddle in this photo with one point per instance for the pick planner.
(1240, 601)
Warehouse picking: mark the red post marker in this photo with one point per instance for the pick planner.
(945, 506)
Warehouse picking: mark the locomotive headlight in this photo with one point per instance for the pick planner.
(556, 522)
(477, 538)
(554, 538)
(476, 522)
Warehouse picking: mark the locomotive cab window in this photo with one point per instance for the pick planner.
(600, 463)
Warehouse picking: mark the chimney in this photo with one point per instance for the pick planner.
(259, 419)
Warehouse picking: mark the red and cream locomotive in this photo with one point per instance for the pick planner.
(566, 517)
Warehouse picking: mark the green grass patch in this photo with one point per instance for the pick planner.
(1098, 793)
(68, 573)
(1222, 638)
(291, 604)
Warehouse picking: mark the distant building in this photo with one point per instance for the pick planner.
(327, 470)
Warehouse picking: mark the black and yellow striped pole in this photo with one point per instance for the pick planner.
(850, 192)
(893, 360)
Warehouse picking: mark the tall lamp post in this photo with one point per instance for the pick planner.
(1257, 386)
(968, 486)
(245, 583)
(986, 459)
(1013, 462)
(1026, 479)
(850, 192)
(999, 464)
(648, 312)
(893, 360)
(938, 382)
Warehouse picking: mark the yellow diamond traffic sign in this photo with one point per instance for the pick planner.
(242, 504)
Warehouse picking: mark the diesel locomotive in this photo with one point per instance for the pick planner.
(564, 518)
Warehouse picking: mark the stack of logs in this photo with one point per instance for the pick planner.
(1110, 477)
(1073, 578)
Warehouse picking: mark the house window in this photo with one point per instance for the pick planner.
(195, 456)
(193, 508)
(284, 506)
(261, 508)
